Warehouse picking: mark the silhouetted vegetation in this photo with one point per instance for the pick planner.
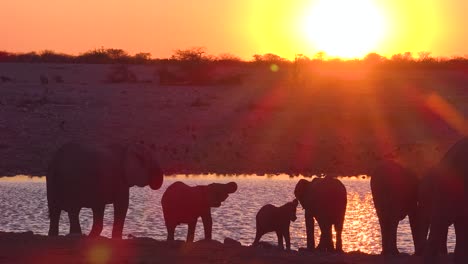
(195, 57)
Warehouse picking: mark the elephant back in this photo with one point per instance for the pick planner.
(183, 202)
(331, 197)
(455, 161)
(83, 175)
(393, 184)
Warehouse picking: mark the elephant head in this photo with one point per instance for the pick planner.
(300, 191)
(219, 192)
(291, 208)
(141, 167)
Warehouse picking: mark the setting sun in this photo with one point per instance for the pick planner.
(345, 28)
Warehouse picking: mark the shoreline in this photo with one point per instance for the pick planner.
(29, 248)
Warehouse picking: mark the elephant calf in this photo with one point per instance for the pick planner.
(184, 204)
(271, 218)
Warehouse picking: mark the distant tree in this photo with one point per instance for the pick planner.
(142, 57)
(402, 57)
(28, 57)
(94, 56)
(299, 58)
(118, 55)
(373, 58)
(320, 56)
(228, 57)
(195, 54)
(425, 56)
(5, 56)
(269, 58)
(52, 56)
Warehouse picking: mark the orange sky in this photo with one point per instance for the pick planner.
(240, 27)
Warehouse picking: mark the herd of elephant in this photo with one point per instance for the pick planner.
(432, 203)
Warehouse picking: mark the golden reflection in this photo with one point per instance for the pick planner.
(22, 178)
(99, 254)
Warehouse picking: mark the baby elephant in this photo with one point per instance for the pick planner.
(183, 204)
(271, 218)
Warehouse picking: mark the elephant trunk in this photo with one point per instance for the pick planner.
(156, 179)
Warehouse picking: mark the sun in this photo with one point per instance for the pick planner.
(345, 28)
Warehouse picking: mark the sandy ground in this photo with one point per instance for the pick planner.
(274, 122)
(29, 248)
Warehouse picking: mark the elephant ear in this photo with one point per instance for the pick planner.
(300, 188)
(231, 187)
(136, 171)
(219, 192)
(295, 203)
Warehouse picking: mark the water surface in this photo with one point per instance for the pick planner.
(23, 207)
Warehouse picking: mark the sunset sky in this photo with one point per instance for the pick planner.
(345, 28)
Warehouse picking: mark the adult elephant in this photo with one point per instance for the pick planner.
(325, 200)
(395, 195)
(427, 188)
(185, 204)
(90, 175)
(450, 203)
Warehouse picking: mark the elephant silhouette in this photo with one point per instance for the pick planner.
(184, 204)
(276, 219)
(427, 188)
(450, 202)
(90, 175)
(395, 195)
(325, 200)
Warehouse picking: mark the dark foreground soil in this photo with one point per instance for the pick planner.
(30, 248)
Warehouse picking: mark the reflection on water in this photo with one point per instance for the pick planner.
(23, 207)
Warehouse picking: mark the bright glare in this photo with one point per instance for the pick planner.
(345, 28)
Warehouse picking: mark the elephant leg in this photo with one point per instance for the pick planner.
(170, 231)
(388, 229)
(287, 238)
(54, 215)
(258, 236)
(120, 212)
(461, 246)
(98, 220)
(309, 220)
(438, 230)
(279, 234)
(339, 231)
(392, 240)
(207, 225)
(442, 249)
(418, 239)
(74, 217)
(191, 231)
(326, 241)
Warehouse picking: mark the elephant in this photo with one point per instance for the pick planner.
(82, 174)
(450, 202)
(426, 190)
(395, 195)
(271, 218)
(324, 199)
(184, 204)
